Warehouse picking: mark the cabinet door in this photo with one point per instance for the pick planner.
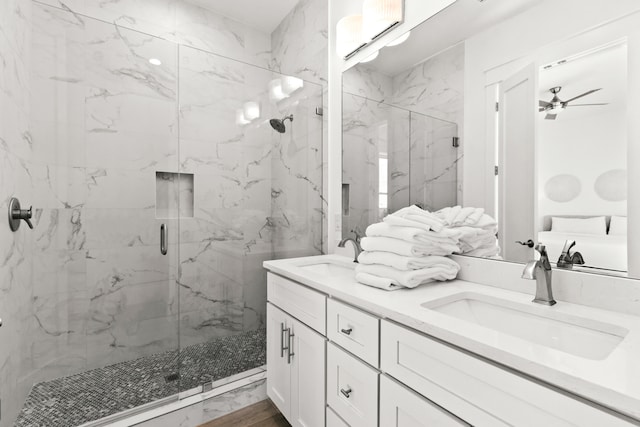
(278, 371)
(307, 376)
(401, 407)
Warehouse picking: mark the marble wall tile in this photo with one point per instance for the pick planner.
(435, 87)
(368, 83)
(299, 43)
(203, 29)
(365, 139)
(16, 263)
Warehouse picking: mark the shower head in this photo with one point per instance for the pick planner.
(278, 124)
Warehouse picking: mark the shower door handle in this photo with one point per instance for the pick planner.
(163, 239)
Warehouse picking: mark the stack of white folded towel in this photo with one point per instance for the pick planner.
(477, 230)
(407, 249)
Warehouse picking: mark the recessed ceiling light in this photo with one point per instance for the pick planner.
(155, 61)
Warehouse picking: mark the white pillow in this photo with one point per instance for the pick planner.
(595, 225)
(618, 226)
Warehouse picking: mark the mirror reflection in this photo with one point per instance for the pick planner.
(542, 132)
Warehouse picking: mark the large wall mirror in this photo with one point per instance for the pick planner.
(509, 113)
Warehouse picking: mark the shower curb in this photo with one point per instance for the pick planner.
(177, 402)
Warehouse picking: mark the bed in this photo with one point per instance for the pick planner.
(601, 246)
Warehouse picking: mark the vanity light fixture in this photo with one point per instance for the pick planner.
(291, 84)
(251, 110)
(370, 58)
(155, 61)
(241, 120)
(349, 34)
(379, 15)
(403, 38)
(275, 91)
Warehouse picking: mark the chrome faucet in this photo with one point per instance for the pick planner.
(540, 270)
(567, 259)
(356, 245)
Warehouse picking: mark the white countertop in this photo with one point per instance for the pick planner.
(613, 382)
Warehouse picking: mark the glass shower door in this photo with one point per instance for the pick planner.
(101, 329)
(255, 194)
(433, 162)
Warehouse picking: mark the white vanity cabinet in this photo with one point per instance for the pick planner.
(377, 372)
(477, 391)
(296, 354)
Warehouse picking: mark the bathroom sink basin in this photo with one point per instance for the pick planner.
(575, 335)
(330, 269)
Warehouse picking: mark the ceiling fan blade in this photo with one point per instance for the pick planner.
(550, 116)
(580, 96)
(584, 105)
(544, 104)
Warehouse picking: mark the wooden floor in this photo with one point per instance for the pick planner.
(261, 414)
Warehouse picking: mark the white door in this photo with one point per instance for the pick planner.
(307, 376)
(401, 407)
(517, 163)
(278, 370)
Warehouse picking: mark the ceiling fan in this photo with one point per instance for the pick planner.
(556, 105)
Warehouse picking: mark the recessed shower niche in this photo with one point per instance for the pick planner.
(174, 195)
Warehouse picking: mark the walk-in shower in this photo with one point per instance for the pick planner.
(157, 193)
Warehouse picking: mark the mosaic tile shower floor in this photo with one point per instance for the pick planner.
(88, 396)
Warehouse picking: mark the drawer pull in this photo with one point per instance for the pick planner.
(346, 331)
(346, 392)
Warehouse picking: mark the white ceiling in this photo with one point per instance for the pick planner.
(263, 15)
(456, 23)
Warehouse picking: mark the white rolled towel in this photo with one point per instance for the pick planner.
(472, 238)
(421, 216)
(449, 214)
(412, 234)
(404, 263)
(458, 216)
(377, 282)
(411, 278)
(402, 247)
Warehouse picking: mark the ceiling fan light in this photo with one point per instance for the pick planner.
(348, 34)
(378, 15)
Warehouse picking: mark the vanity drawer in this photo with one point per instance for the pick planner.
(476, 391)
(401, 407)
(333, 420)
(352, 388)
(354, 330)
(306, 305)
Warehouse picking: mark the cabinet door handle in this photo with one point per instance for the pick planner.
(346, 331)
(283, 330)
(290, 352)
(163, 239)
(347, 392)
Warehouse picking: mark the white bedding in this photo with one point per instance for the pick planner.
(601, 251)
